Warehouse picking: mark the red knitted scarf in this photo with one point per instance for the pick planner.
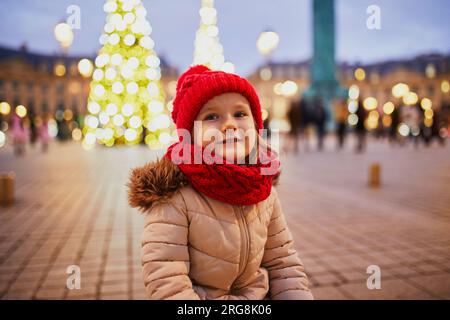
(236, 184)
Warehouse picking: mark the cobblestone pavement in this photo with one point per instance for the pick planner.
(71, 209)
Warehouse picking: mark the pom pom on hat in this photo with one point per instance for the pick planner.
(192, 70)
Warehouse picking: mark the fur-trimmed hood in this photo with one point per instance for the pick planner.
(153, 182)
(157, 181)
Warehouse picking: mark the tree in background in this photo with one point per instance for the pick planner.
(126, 103)
(208, 50)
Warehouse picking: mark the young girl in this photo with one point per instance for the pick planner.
(215, 230)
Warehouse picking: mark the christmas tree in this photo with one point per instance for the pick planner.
(208, 50)
(126, 102)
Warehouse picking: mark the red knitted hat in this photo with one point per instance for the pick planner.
(199, 84)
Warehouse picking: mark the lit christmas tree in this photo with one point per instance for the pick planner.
(208, 50)
(126, 101)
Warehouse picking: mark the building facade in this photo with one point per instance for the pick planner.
(427, 76)
(47, 83)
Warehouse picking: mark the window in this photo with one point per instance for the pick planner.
(43, 67)
(292, 72)
(277, 72)
(362, 94)
(15, 85)
(387, 92)
(30, 86)
(60, 89)
(74, 103)
(74, 69)
(45, 106)
(30, 107)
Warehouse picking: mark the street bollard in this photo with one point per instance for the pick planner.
(7, 188)
(374, 175)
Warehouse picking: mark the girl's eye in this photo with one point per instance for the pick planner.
(211, 116)
(240, 114)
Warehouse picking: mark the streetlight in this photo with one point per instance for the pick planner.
(21, 111)
(5, 108)
(85, 67)
(64, 35)
(267, 42)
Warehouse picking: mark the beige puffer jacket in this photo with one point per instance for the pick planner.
(195, 247)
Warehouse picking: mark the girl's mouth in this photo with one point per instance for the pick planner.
(231, 140)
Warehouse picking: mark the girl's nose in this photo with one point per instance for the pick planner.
(229, 123)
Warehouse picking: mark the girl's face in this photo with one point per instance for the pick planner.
(227, 122)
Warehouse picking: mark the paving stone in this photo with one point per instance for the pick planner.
(437, 284)
(328, 293)
(395, 289)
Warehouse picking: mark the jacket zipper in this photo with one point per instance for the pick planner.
(246, 241)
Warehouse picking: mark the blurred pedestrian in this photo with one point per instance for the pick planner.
(19, 135)
(43, 133)
(341, 113)
(395, 121)
(305, 121)
(33, 129)
(360, 128)
(417, 124)
(294, 117)
(437, 127)
(320, 121)
(380, 129)
(266, 124)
